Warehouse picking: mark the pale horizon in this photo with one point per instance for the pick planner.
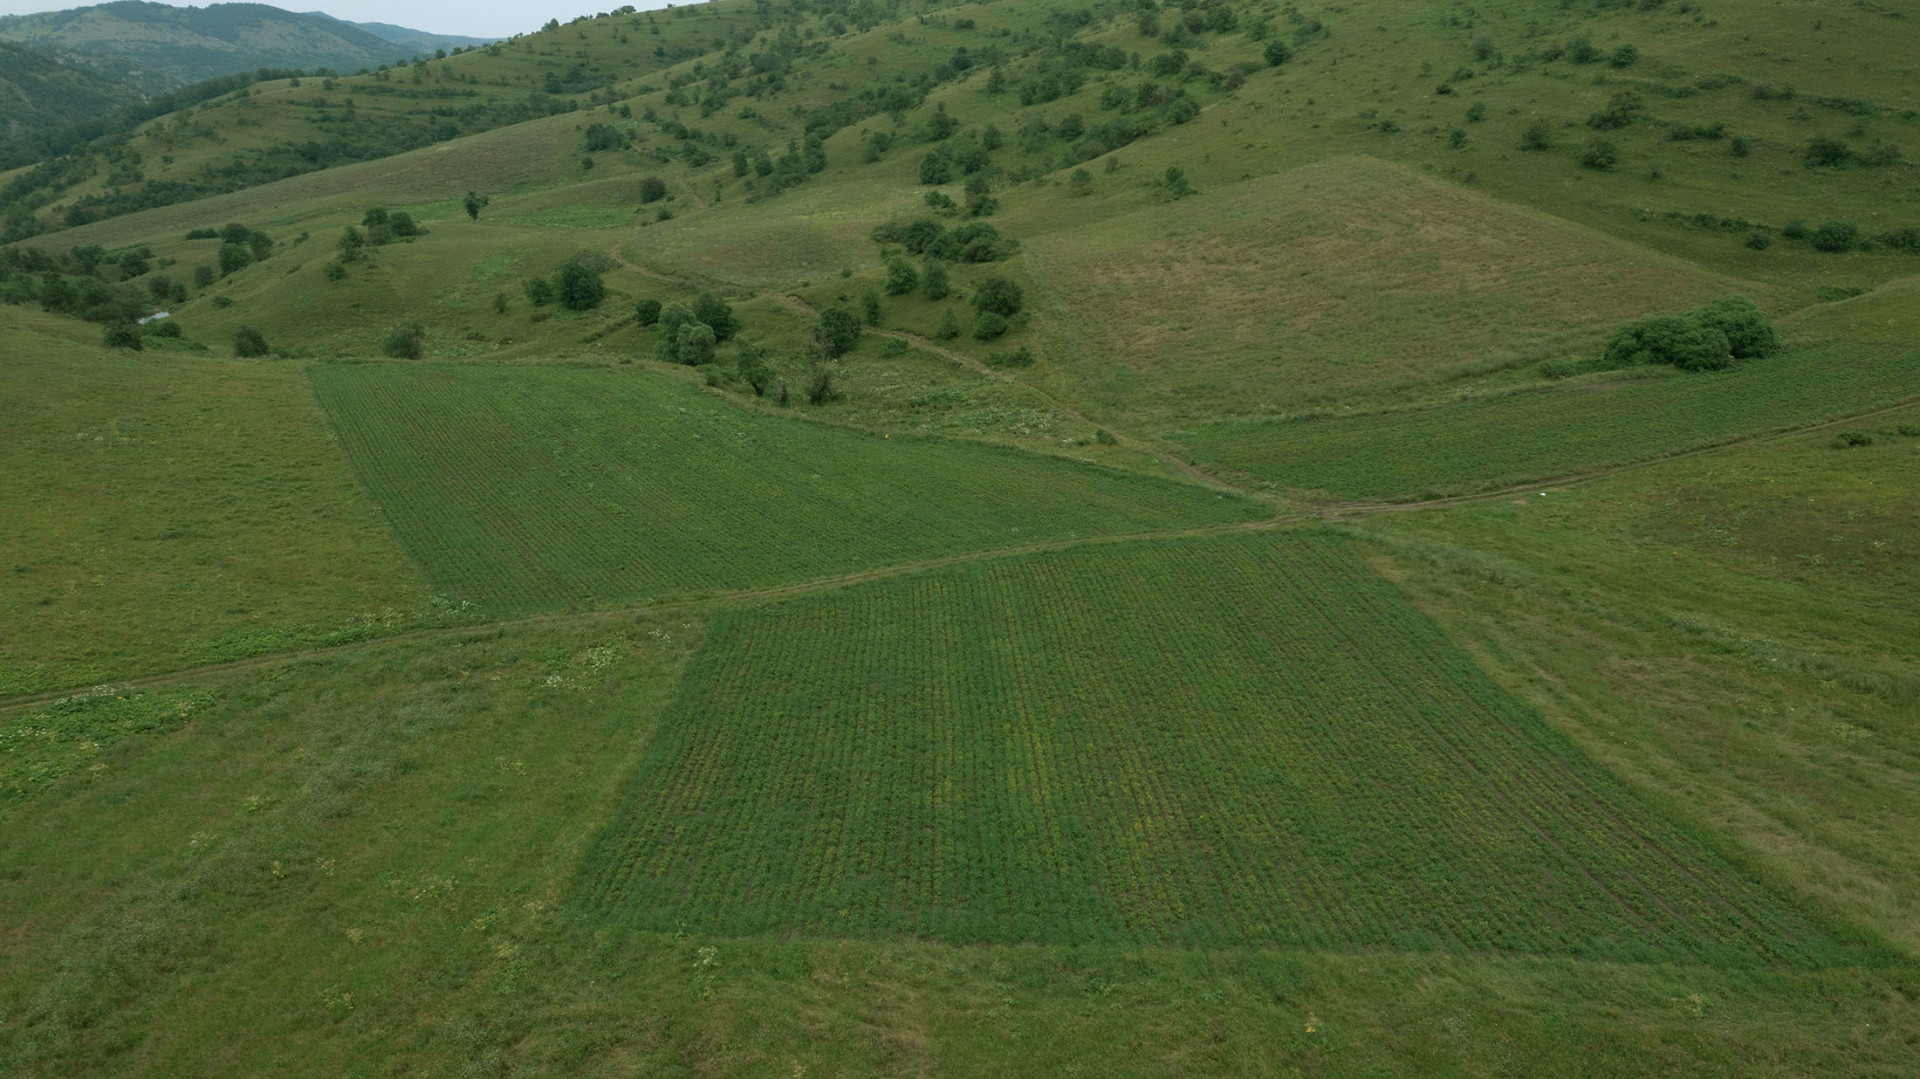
(481, 18)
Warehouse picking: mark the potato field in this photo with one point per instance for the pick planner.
(525, 488)
(1205, 742)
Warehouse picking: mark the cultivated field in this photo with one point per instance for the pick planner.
(523, 489)
(1211, 743)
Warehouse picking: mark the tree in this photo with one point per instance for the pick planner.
(752, 364)
(646, 312)
(580, 287)
(989, 326)
(475, 203)
(694, 344)
(820, 387)
(122, 335)
(1277, 54)
(248, 343)
(1749, 335)
(716, 313)
(234, 258)
(999, 296)
(652, 189)
(933, 280)
(901, 278)
(870, 306)
(936, 168)
(407, 342)
(837, 332)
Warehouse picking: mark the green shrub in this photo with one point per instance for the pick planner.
(1759, 241)
(1707, 338)
(901, 277)
(646, 312)
(1624, 56)
(1849, 439)
(1105, 437)
(870, 306)
(999, 296)
(407, 342)
(166, 327)
(334, 271)
(1835, 237)
(949, 326)
(1601, 154)
(539, 292)
(933, 280)
(122, 335)
(1823, 152)
(1537, 137)
(751, 362)
(936, 168)
(1557, 369)
(1749, 335)
(990, 326)
(895, 346)
(249, 343)
(234, 258)
(202, 276)
(1020, 357)
(652, 190)
(820, 387)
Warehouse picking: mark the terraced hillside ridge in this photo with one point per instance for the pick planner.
(1211, 743)
(1556, 431)
(525, 488)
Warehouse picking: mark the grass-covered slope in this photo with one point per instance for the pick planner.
(1731, 631)
(167, 510)
(526, 488)
(1556, 431)
(1211, 743)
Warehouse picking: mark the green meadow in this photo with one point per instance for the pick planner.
(865, 538)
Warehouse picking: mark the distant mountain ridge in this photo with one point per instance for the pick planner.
(420, 41)
(37, 91)
(155, 48)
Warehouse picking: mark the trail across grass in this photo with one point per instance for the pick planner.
(525, 489)
(1495, 442)
(1215, 742)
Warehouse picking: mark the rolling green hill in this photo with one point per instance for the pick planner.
(853, 537)
(157, 47)
(36, 92)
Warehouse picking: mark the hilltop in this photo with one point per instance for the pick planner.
(835, 537)
(158, 47)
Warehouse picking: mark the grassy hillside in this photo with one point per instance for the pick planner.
(36, 92)
(171, 510)
(770, 539)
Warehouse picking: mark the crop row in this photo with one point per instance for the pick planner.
(1499, 441)
(521, 488)
(1207, 742)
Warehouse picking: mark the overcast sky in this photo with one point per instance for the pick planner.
(471, 18)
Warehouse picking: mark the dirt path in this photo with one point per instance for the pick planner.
(587, 618)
